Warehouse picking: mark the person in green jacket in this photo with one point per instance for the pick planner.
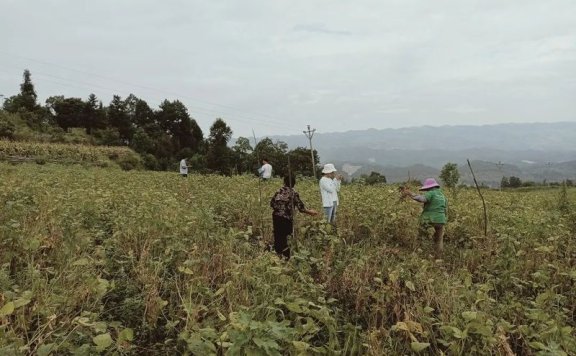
(434, 211)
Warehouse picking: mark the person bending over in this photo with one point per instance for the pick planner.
(434, 210)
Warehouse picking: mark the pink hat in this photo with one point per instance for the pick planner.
(429, 183)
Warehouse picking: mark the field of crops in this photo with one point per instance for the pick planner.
(101, 156)
(101, 260)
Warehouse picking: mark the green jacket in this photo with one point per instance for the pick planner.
(434, 207)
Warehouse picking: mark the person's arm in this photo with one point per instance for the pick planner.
(417, 197)
(300, 205)
(298, 202)
(328, 185)
(337, 182)
(310, 212)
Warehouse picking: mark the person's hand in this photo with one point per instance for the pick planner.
(312, 212)
(339, 177)
(405, 191)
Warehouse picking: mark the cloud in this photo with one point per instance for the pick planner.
(466, 110)
(334, 63)
(320, 28)
(394, 111)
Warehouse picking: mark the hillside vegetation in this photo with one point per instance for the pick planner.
(161, 136)
(41, 153)
(101, 260)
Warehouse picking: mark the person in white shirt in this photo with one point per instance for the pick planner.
(266, 170)
(183, 168)
(329, 188)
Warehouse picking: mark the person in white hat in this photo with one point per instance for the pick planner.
(329, 188)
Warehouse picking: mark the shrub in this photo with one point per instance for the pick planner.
(129, 161)
(7, 126)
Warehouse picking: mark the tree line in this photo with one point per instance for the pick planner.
(515, 182)
(161, 136)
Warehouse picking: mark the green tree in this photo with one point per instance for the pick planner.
(375, 178)
(450, 175)
(28, 93)
(275, 152)
(505, 182)
(67, 111)
(140, 114)
(118, 118)
(142, 142)
(515, 182)
(218, 157)
(243, 155)
(173, 118)
(300, 162)
(26, 99)
(11, 104)
(93, 116)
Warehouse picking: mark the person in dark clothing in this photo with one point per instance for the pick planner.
(283, 203)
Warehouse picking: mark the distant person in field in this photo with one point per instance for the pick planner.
(283, 203)
(329, 188)
(434, 211)
(266, 170)
(183, 168)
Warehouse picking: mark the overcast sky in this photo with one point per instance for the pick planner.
(275, 66)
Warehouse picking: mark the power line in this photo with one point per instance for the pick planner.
(195, 109)
(281, 122)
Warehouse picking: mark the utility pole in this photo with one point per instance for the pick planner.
(310, 133)
(500, 165)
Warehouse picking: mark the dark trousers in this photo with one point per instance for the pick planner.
(282, 228)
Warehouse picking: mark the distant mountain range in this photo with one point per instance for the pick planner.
(531, 151)
(488, 173)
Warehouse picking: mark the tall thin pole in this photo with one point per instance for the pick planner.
(259, 162)
(310, 133)
(500, 165)
(291, 197)
(481, 197)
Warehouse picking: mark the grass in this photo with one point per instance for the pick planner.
(101, 260)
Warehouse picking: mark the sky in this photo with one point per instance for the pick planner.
(275, 66)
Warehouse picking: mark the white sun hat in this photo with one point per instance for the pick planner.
(328, 168)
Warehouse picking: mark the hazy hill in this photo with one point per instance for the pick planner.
(488, 173)
(536, 151)
(541, 136)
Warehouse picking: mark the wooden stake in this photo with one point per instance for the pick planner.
(481, 197)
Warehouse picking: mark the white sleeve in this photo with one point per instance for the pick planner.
(327, 185)
(336, 184)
